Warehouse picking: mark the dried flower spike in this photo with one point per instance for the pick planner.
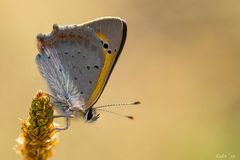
(38, 135)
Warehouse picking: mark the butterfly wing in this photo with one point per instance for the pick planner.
(75, 61)
(112, 32)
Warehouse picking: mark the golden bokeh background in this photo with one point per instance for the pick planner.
(181, 60)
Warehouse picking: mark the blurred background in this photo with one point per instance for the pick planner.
(181, 60)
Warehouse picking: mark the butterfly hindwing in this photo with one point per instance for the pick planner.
(70, 60)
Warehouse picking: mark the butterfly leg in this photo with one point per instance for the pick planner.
(67, 118)
(67, 125)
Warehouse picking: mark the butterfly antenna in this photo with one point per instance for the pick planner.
(119, 104)
(121, 115)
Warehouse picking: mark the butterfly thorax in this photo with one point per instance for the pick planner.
(75, 106)
(76, 109)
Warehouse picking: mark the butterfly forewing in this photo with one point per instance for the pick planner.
(112, 32)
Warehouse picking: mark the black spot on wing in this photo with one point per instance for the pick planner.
(96, 67)
(105, 45)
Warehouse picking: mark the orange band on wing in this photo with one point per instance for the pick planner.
(108, 61)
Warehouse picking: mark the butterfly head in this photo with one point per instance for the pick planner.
(91, 115)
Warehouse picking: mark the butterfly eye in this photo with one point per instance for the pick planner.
(89, 115)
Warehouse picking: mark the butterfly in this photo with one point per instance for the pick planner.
(77, 60)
